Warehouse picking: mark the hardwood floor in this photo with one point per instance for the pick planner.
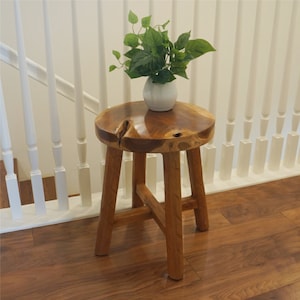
(252, 251)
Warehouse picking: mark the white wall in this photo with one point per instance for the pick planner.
(60, 19)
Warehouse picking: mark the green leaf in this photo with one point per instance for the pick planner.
(182, 40)
(132, 17)
(165, 24)
(163, 76)
(133, 74)
(141, 59)
(133, 52)
(152, 39)
(136, 67)
(198, 47)
(146, 22)
(178, 55)
(165, 37)
(127, 63)
(179, 68)
(112, 67)
(131, 40)
(116, 54)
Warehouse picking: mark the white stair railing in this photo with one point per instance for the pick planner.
(290, 153)
(60, 171)
(10, 177)
(261, 146)
(103, 103)
(245, 148)
(83, 167)
(278, 138)
(209, 150)
(39, 73)
(35, 173)
(228, 147)
(126, 97)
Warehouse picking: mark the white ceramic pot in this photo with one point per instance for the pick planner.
(160, 97)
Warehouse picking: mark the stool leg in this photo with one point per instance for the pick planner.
(197, 187)
(173, 215)
(108, 203)
(138, 176)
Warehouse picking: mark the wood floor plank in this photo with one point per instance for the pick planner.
(92, 277)
(216, 220)
(291, 292)
(247, 231)
(254, 255)
(293, 214)
(286, 188)
(260, 202)
(238, 257)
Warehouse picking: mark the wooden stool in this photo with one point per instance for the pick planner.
(132, 127)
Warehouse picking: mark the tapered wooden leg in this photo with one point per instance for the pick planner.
(138, 176)
(197, 187)
(108, 202)
(173, 215)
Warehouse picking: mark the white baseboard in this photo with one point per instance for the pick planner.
(76, 211)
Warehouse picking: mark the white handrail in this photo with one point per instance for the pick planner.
(39, 73)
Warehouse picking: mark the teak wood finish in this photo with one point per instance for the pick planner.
(132, 127)
(185, 127)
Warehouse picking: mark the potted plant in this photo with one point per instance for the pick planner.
(152, 54)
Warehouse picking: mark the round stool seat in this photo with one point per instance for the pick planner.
(132, 127)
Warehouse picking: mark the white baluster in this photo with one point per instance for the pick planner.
(60, 172)
(102, 66)
(127, 158)
(209, 150)
(277, 138)
(209, 161)
(298, 160)
(127, 166)
(246, 144)
(35, 173)
(83, 168)
(293, 136)
(151, 169)
(103, 101)
(10, 177)
(126, 79)
(261, 145)
(174, 12)
(291, 149)
(151, 9)
(228, 146)
(227, 153)
(194, 69)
